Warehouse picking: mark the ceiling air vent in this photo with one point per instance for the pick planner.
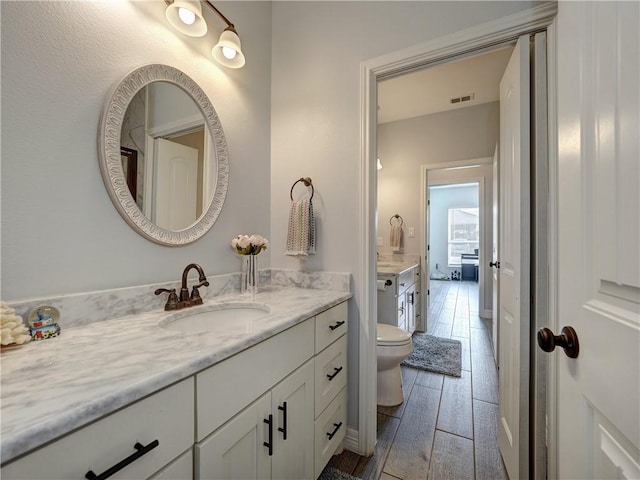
(463, 98)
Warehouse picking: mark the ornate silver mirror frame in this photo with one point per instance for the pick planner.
(111, 165)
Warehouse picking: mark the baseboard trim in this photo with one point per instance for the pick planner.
(486, 314)
(351, 440)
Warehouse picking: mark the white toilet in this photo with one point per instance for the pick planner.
(393, 345)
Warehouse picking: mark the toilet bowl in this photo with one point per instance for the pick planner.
(393, 345)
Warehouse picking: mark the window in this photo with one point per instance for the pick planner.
(464, 233)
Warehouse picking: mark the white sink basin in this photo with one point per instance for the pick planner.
(225, 318)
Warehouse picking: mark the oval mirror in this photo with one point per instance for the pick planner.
(163, 155)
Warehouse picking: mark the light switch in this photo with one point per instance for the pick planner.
(412, 232)
(380, 241)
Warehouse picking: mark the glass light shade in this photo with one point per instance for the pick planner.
(379, 165)
(178, 13)
(229, 40)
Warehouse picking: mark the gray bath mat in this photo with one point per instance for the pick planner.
(331, 473)
(435, 354)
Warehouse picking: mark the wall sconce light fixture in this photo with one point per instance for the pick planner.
(186, 17)
(379, 164)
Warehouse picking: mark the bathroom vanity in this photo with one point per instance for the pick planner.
(126, 396)
(398, 294)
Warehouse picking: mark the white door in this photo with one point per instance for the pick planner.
(513, 359)
(236, 450)
(598, 393)
(293, 411)
(495, 265)
(176, 188)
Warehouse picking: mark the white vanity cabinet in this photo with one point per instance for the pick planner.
(274, 410)
(248, 403)
(330, 384)
(398, 303)
(151, 433)
(272, 438)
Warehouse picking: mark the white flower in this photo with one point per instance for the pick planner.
(244, 241)
(249, 244)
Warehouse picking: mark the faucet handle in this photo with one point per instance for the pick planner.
(196, 299)
(172, 300)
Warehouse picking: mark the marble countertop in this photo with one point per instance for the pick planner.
(52, 387)
(394, 268)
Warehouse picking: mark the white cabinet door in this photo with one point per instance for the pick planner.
(598, 393)
(237, 450)
(292, 403)
(402, 311)
(410, 301)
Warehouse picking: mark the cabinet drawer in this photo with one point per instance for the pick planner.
(330, 373)
(405, 280)
(226, 388)
(331, 325)
(330, 429)
(167, 416)
(180, 469)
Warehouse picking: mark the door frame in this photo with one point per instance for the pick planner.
(425, 226)
(468, 42)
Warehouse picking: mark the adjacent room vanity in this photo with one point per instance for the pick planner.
(398, 294)
(131, 399)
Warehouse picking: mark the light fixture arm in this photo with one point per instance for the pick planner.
(211, 5)
(226, 20)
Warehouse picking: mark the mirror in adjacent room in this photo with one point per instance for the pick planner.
(163, 155)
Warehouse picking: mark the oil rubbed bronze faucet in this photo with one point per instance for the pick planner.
(185, 300)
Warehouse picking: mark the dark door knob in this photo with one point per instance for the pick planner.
(568, 339)
(494, 264)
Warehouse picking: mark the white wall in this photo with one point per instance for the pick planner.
(60, 232)
(404, 146)
(317, 49)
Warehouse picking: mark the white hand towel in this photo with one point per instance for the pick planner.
(301, 235)
(395, 239)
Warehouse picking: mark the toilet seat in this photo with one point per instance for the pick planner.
(390, 336)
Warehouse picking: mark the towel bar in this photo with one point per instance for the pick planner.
(307, 183)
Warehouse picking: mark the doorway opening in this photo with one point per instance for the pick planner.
(454, 241)
(463, 45)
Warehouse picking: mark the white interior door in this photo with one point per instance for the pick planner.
(598, 393)
(495, 265)
(176, 190)
(514, 205)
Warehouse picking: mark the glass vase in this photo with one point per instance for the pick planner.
(250, 276)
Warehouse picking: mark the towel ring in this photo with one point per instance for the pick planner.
(307, 183)
(397, 217)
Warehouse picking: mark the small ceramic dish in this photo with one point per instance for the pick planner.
(42, 316)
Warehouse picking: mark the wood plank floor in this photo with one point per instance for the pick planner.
(447, 427)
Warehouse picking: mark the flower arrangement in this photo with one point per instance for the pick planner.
(249, 244)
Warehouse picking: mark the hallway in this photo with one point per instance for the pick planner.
(447, 427)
